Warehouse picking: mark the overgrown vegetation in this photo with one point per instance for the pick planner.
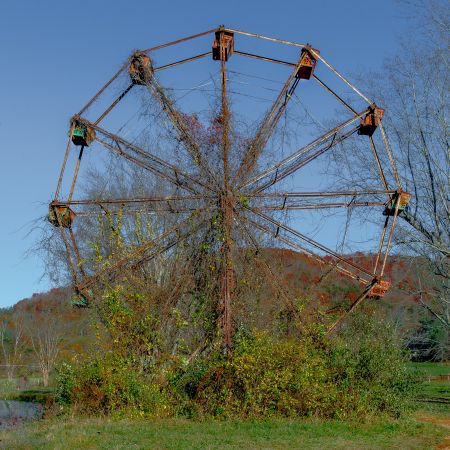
(359, 373)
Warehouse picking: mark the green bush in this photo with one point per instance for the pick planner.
(265, 378)
(65, 382)
(368, 359)
(109, 384)
(362, 372)
(106, 384)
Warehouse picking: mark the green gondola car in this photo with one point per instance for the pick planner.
(403, 199)
(82, 134)
(81, 300)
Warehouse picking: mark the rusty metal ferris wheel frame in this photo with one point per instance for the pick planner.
(225, 189)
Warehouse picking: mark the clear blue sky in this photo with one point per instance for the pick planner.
(56, 54)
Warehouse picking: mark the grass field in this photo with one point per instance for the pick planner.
(420, 431)
(183, 434)
(434, 394)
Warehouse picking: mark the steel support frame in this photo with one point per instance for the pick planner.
(375, 276)
(274, 279)
(176, 118)
(158, 165)
(227, 208)
(297, 247)
(270, 201)
(368, 284)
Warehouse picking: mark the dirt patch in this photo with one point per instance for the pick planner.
(445, 445)
(443, 422)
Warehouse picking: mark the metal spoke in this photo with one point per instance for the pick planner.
(273, 278)
(123, 201)
(299, 158)
(149, 211)
(226, 204)
(174, 179)
(177, 120)
(315, 206)
(310, 241)
(280, 201)
(267, 126)
(171, 204)
(318, 194)
(352, 307)
(158, 165)
(301, 162)
(334, 263)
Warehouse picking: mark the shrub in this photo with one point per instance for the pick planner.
(109, 384)
(265, 378)
(367, 359)
(361, 372)
(100, 384)
(65, 382)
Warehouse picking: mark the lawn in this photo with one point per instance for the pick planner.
(183, 434)
(433, 369)
(434, 393)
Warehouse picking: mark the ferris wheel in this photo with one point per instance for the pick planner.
(220, 180)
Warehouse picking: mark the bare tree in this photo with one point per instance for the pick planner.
(413, 87)
(11, 341)
(45, 336)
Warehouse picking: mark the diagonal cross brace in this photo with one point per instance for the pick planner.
(298, 247)
(311, 242)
